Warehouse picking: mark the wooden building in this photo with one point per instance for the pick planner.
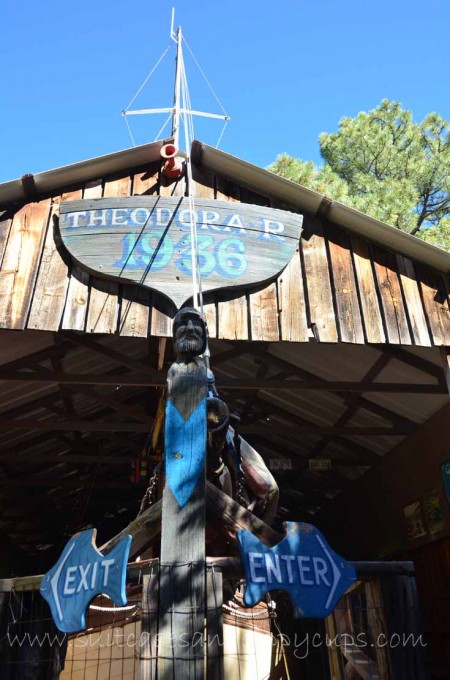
(338, 367)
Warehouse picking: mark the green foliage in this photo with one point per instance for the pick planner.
(386, 165)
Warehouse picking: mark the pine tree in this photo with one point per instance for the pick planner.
(386, 165)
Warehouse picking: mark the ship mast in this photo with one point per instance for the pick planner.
(177, 111)
(177, 90)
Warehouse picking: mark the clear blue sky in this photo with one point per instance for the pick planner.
(285, 71)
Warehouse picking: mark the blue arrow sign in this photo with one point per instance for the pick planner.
(81, 573)
(302, 564)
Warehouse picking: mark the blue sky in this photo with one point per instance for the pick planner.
(284, 71)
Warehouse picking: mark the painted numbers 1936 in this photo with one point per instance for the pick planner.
(156, 250)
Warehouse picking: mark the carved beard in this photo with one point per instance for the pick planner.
(189, 345)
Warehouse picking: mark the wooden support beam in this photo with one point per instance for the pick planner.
(235, 517)
(66, 394)
(350, 398)
(353, 405)
(445, 359)
(148, 648)
(236, 384)
(105, 351)
(399, 431)
(182, 584)
(70, 483)
(413, 360)
(214, 624)
(71, 425)
(37, 357)
(112, 379)
(364, 454)
(381, 411)
(230, 354)
(147, 526)
(66, 458)
(134, 412)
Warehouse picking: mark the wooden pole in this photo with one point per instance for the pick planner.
(182, 582)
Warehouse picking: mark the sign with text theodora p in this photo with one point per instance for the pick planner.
(147, 241)
(302, 564)
(81, 573)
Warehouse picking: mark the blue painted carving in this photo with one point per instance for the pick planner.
(185, 449)
(81, 573)
(302, 564)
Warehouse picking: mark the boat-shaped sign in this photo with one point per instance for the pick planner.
(148, 241)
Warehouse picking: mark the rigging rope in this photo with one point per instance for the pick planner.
(164, 125)
(204, 76)
(148, 77)
(129, 130)
(221, 134)
(188, 124)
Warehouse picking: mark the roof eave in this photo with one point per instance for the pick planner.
(45, 183)
(266, 182)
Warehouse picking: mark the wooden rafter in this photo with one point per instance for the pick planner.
(122, 359)
(330, 431)
(353, 406)
(365, 456)
(66, 458)
(236, 384)
(71, 425)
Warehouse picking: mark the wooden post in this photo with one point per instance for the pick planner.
(182, 582)
(445, 358)
(214, 624)
(149, 628)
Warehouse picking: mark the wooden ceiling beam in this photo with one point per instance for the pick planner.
(413, 360)
(36, 482)
(65, 392)
(379, 364)
(300, 474)
(72, 425)
(353, 406)
(132, 411)
(66, 458)
(37, 357)
(380, 411)
(365, 456)
(94, 346)
(229, 355)
(237, 384)
(332, 431)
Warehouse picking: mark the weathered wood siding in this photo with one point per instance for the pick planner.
(337, 288)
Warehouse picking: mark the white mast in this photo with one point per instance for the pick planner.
(177, 90)
(176, 111)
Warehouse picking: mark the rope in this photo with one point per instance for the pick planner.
(112, 609)
(160, 132)
(129, 130)
(221, 134)
(261, 616)
(204, 76)
(148, 78)
(197, 293)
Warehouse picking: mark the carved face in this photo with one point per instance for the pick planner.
(189, 333)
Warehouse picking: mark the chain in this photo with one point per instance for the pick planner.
(240, 498)
(150, 495)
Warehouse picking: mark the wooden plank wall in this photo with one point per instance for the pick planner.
(337, 288)
(432, 562)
